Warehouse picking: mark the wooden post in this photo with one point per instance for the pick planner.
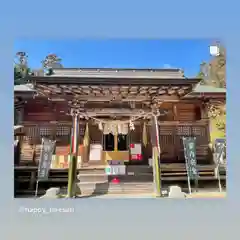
(72, 176)
(73, 159)
(115, 142)
(175, 112)
(33, 179)
(156, 156)
(157, 172)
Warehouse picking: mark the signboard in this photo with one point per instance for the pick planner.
(115, 168)
(136, 151)
(47, 150)
(189, 144)
(219, 157)
(95, 153)
(220, 151)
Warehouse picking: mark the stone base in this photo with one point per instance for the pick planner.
(77, 189)
(52, 193)
(176, 192)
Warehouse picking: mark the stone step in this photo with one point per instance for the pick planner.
(101, 188)
(123, 178)
(110, 188)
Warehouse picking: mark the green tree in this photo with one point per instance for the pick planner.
(21, 69)
(203, 73)
(51, 61)
(214, 72)
(217, 116)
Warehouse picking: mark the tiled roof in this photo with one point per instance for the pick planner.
(208, 89)
(16, 127)
(118, 73)
(24, 88)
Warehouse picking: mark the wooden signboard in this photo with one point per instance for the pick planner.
(47, 150)
(219, 157)
(95, 152)
(220, 151)
(189, 144)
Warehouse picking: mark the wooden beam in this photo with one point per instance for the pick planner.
(116, 111)
(171, 91)
(166, 98)
(88, 98)
(113, 81)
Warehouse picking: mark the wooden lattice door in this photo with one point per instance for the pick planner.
(167, 143)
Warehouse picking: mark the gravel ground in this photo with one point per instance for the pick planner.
(208, 195)
(142, 195)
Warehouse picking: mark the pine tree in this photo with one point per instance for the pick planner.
(21, 69)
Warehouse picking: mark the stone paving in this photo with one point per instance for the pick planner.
(142, 195)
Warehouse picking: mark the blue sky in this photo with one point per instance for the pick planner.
(132, 53)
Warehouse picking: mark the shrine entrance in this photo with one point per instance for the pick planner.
(115, 107)
(109, 142)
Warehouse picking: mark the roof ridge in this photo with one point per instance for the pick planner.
(121, 69)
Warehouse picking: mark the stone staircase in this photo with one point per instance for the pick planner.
(139, 179)
(96, 182)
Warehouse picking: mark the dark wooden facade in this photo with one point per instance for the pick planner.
(113, 97)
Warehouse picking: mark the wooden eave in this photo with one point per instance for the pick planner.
(196, 95)
(112, 81)
(108, 89)
(24, 94)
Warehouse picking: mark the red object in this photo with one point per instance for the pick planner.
(136, 157)
(115, 181)
(139, 156)
(132, 145)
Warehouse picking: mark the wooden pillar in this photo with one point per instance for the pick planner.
(175, 112)
(115, 142)
(156, 156)
(19, 112)
(54, 122)
(33, 179)
(204, 111)
(87, 147)
(205, 116)
(53, 130)
(73, 159)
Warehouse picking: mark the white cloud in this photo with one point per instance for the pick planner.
(167, 66)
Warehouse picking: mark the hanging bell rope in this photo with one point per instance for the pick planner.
(133, 118)
(100, 126)
(117, 123)
(144, 135)
(86, 137)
